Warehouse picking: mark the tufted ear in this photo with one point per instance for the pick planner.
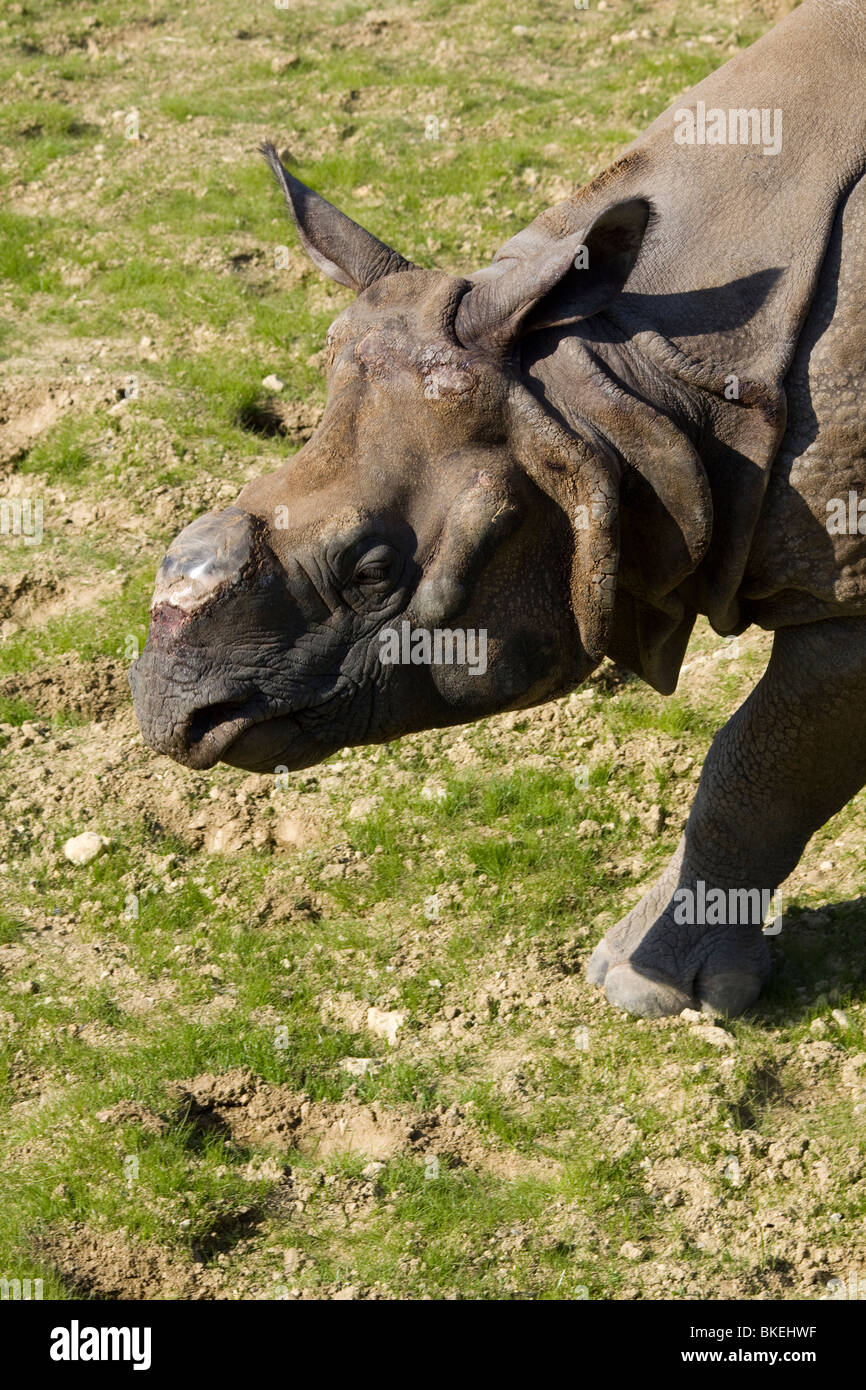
(537, 281)
(338, 246)
(581, 473)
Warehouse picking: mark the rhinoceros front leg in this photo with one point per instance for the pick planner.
(789, 758)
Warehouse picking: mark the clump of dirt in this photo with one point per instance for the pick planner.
(22, 597)
(271, 417)
(112, 1265)
(609, 676)
(129, 1112)
(27, 409)
(96, 688)
(32, 598)
(255, 1114)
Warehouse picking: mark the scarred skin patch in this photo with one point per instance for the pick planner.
(444, 371)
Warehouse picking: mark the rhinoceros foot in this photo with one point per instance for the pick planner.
(651, 965)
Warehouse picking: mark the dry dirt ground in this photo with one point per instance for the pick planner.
(330, 1037)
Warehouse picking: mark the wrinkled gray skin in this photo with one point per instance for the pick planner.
(579, 459)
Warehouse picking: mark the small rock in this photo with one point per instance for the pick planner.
(372, 1170)
(360, 1066)
(631, 1250)
(716, 1037)
(272, 383)
(841, 1018)
(82, 848)
(818, 1028)
(384, 1024)
(433, 792)
(332, 871)
(292, 1259)
(284, 62)
(291, 832)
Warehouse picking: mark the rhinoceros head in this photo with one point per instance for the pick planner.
(443, 547)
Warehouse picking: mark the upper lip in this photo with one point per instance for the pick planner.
(199, 735)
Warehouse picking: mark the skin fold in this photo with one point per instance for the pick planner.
(644, 410)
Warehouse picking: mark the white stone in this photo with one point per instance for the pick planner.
(385, 1024)
(716, 1037)
(360, 1066)
(82, 848)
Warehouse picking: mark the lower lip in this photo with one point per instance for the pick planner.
(261, 746)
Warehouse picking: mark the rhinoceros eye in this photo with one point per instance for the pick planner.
(376, 567)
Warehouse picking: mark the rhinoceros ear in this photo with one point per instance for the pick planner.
(337, 245)
(537, 281)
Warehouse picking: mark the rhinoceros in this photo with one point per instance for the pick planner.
(648, 407)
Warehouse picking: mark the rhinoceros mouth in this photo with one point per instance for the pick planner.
(250, 728)
(212, 730)
(251, 735)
